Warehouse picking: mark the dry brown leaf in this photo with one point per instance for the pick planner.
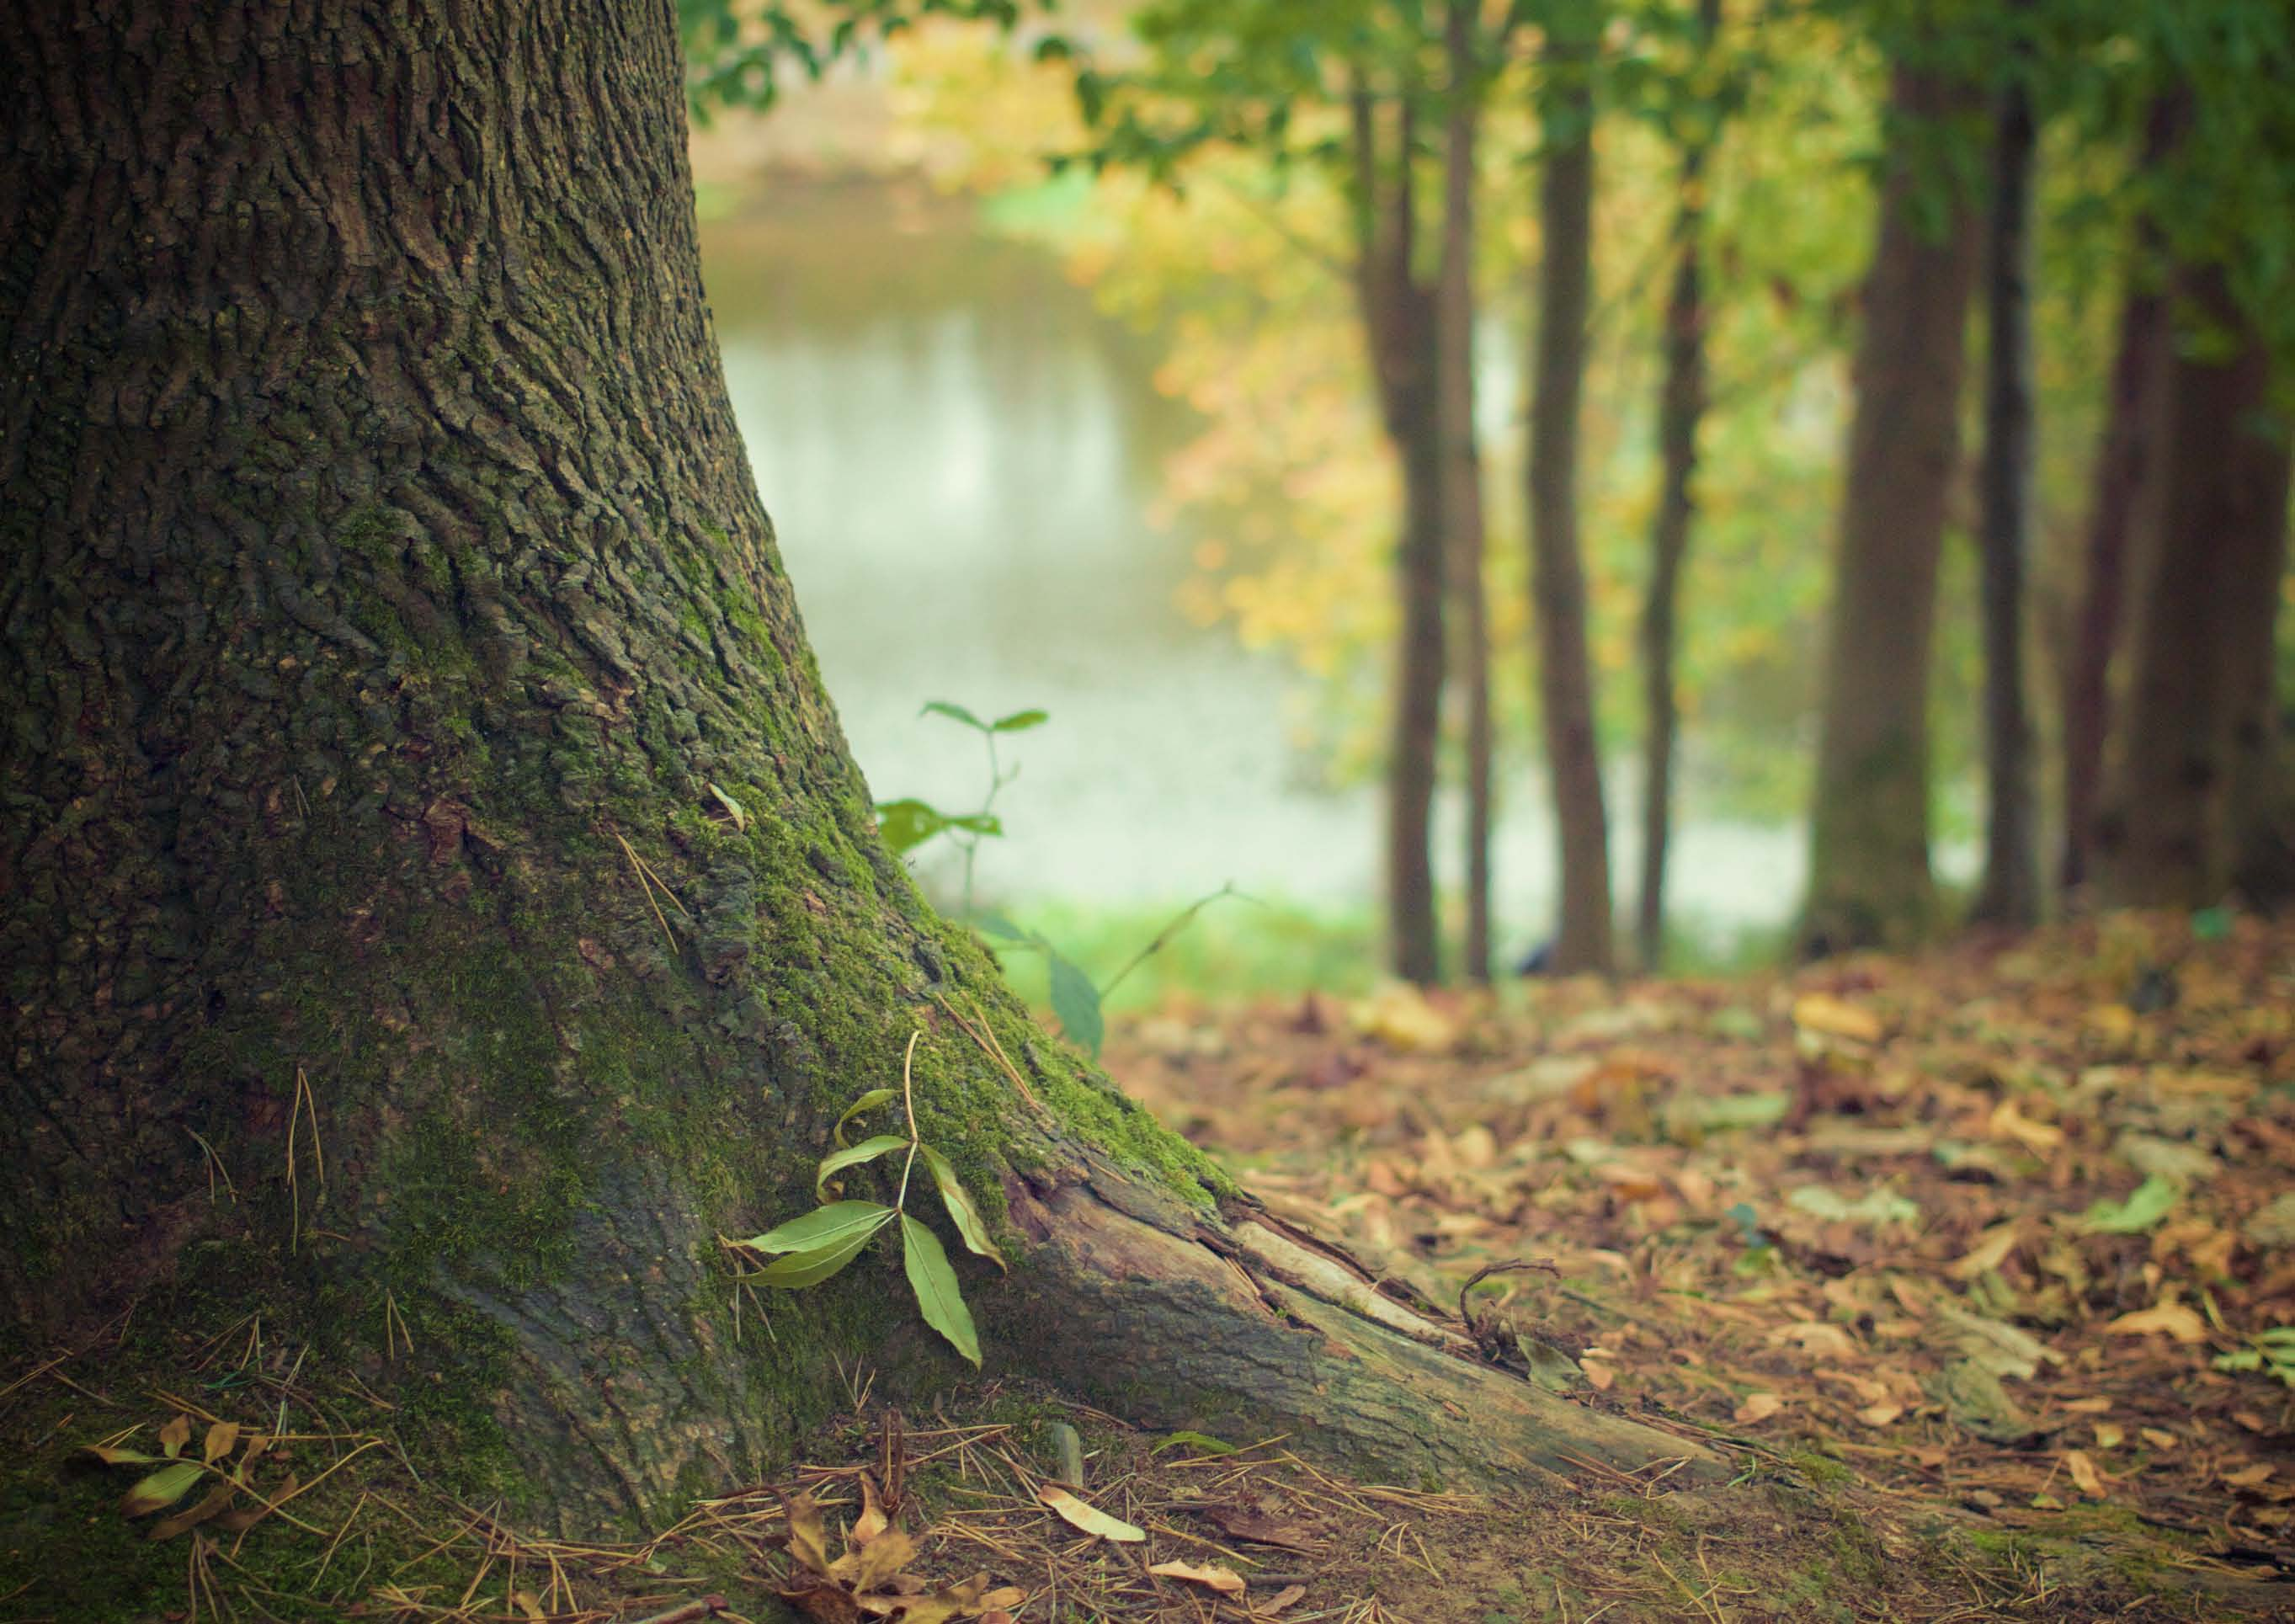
(872, 1520)
(2041, 1138)
(1756, 1407)
(209, 1505)
(2171, 1319)
(2083, 1472)
(220, 1439)
(1987, 1254)
(1816, 1336)
(1209, 1575)
(1281, 1599)
(2110, 1434)
(2248, 1477)
(1084, 1515)
(1880, 1414)
(1834, 1017)
(2158, 1438)
(526, 1603)
(175, 1435)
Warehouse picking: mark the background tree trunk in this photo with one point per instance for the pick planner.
(2126, 485)
(1869, 878)
(418, 801)
(1557, 573)
(2010, 892)
(1398, 321)
(1681, 407)
(2196, 721)
(1462, 464)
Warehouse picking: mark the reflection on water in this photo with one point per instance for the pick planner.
(958, 454)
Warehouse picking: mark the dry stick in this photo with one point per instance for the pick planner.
(986, 1039)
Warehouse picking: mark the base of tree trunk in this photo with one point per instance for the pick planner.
(1232, 1324)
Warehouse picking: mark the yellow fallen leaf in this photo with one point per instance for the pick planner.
(2248, 1477)
(2041, 1138)
(2113, 1021)
(2168, 1319)
(1880, 1414)
(1821, 1012)
(1210, 1576)
(2158, 1438)
(220, 1439)
(2109, 1435)
(2088, 1407)
(1816, 1336)
(175, 1435)
(1987, 1254)
(1399, 1016)
(1083, 1514)
(1756, 1407)
(2084, 1473)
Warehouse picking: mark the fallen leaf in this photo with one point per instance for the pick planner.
(220, 1439)
(1208, 1575)
(161, 1489)
(2172, 1319)
(1083, 1515)
(1756, 1407)
(1821, 1012)
(1880, 1414)
(1237, 1524)
(2084, 1473)
(175, 1435)
(2249, 1477)
(2109, 1435)
(2157, 1438)
(1987, 1254)
(1277, 1603)
(2041, 1138)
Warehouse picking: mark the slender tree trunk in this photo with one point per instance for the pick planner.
(2126, 485)
(1869, 879)
(1557, 573)
(421, 804)
(1399, 321)
(2196, 725)
(1462, 464)
(2010, 892)
(1681, 408)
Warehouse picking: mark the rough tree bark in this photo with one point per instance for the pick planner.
(1566, 688)
(381, 581)
(2126, 485)
(2009, 894)
(1462, 462)
(1680, 408)
(1399, 321)
(2195, 730)
(1869, 879)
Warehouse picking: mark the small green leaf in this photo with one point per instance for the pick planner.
(161, 1489)
(821, 1226)
(2153, 1200)
(2211, 924)
(111, 1455)
(908, 824)
(997, 925)
(867, 1102)
(976, 823)
(934, 1284)
(799, 1269)
(954, 713)
(954, 1196)
(853, 1155)
(1076, 1001)
(1019, 722)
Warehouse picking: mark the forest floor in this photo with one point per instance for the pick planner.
(1972, 1261)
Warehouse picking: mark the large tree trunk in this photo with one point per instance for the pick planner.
(2126, 485)
(1557, 573)
(1462, 463)
(1399, 323)
(1680, 409)
(2194, 740)
(2010, 892)
(1869, 879)
(383, 587)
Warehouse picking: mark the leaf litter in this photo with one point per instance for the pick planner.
(1967, 1228)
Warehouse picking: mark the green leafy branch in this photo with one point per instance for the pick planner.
(808, 1250)
(907, 824)
(2270, 1353)
(1076, 999)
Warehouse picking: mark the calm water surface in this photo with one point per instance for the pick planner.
(959, 453)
